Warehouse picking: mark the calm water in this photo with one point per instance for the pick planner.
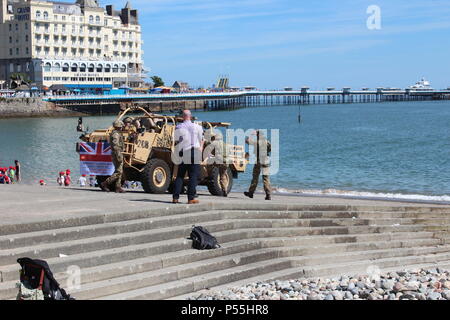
(398, 148)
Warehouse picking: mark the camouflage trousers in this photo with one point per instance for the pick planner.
(266, 179)
(116, 178)
(223, 177)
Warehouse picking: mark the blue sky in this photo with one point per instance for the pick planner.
(276, 43)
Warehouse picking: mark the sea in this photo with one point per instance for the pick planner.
(395, 150)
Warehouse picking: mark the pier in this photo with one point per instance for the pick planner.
(231, 100)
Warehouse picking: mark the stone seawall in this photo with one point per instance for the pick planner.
(31, 107)
(35, 107)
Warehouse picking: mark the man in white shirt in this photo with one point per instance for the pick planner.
(189, 142)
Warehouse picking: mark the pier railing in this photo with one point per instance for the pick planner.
(224, 100)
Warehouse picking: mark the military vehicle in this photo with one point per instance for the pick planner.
(149, 144)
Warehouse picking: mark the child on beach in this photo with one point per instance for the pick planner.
(82, 181)
(42, 183)
(67, 179)
(61, 179)
(12, 174)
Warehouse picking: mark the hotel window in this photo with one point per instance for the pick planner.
(27, 50)
(65, 79)
(63, 18)
(97, 20)
(57, 67)
(55, 17)
(115, 68)
(73, 19)
(123, 68)
(99, 68)
(91, 19)
(81, 29)
(74, 79)
(74, 52)
(17, 27)
(65, 68)
(26, 25)
(38, 14)
(91, 68)
(10, 39)
(17, 51)
(26, 38)
(55, 28)
(74, 67)
(83, 67)
(10, 52)
(45, 15)
(47, 67)
(108, 68)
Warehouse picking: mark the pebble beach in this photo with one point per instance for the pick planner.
(420, 284)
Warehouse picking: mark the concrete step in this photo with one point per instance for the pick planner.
(240, 249)
(211, 279)
(92, 219)
(333, 270)
(273, 219)
(108, 256)
(181, 271)
(271, 227)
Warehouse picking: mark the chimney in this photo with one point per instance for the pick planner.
(109, 10)
(134, 13)
(125, 15)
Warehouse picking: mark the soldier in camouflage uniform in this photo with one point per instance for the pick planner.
(117, 147)
(262, 149)
(219, 150)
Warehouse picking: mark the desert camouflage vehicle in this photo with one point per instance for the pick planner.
(149, 144)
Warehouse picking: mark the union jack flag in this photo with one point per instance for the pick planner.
(95, 158)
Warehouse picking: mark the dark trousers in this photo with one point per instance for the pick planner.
(193, 171)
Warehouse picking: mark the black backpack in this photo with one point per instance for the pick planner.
(202, 239)
(37, 274)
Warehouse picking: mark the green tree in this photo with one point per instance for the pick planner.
(157, 81)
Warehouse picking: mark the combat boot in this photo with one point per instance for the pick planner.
(248, 194)
(268, 197)
(104, 186)
(120, 190)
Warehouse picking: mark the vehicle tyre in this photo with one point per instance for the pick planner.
(214, 182)
(156, 176)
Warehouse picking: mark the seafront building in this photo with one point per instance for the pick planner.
(78, 45)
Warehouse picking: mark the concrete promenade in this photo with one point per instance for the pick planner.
(25, 204)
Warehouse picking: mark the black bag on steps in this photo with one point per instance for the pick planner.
(202, 239)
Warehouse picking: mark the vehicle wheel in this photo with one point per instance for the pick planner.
(156, 176)
(214, 182)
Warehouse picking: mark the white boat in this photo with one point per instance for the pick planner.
(422, 85)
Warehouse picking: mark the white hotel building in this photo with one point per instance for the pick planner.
(78, 45)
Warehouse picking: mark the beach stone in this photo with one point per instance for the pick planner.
(446, 285)
(372, 296)
(434, 296)
(337, 295)
(398, 287)
(348, 295)
(392, 297)
(388, 284)
(446, 295)
(351, 286)
(329, 297)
